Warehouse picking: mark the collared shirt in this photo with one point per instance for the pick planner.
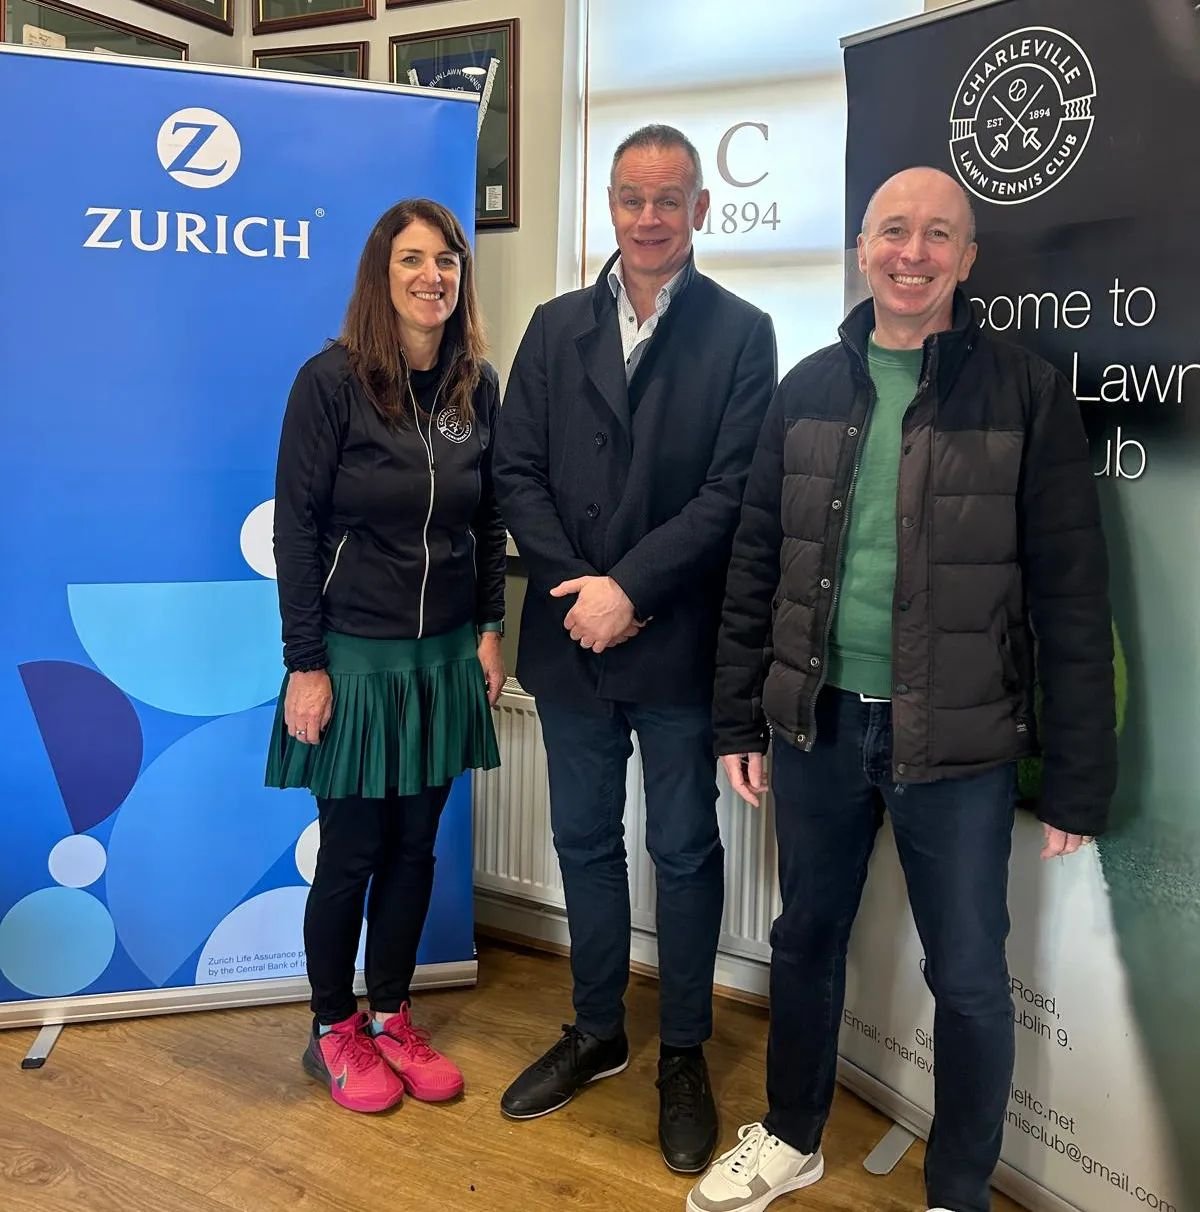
(634, 339)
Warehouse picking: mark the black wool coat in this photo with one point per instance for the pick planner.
(641, 482)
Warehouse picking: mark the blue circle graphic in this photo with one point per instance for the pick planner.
(56, 941)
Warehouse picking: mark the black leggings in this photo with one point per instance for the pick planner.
(387, 843)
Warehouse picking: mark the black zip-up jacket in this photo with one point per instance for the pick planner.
(1001, 569)
(389, 531)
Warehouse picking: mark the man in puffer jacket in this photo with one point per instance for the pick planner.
(919, 546)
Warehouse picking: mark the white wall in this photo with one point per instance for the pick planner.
(517, 269)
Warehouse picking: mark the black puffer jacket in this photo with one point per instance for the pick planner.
(1001, 568)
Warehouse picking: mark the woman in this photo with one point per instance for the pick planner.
(390, 557)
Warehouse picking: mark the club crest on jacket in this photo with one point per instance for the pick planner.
(453, 426)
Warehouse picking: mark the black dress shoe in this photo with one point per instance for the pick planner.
(687, 1115)
(551, 1082)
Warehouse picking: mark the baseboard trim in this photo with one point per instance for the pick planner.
(544, 927)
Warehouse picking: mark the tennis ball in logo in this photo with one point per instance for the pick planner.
(1029, 770)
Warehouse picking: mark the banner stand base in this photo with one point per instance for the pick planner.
(905, 1112)
(886, 1155)
(42, 1046)
(90, 1008)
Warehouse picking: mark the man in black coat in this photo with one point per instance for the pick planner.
(920, 508)
(622, 452)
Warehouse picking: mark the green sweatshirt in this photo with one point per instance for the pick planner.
(860, 653)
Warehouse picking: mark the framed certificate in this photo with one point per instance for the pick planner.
(216, 14)
(59, 26)
(481, 59)
(273, 16)
(345, 59)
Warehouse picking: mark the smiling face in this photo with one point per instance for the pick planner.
(423, 278)
(916, 246)
(655, 207)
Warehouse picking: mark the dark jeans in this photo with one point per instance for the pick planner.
(954, 839)
(587, 754)
(387, 843)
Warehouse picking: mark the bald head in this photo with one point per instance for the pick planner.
(936, 188)
(917, 244)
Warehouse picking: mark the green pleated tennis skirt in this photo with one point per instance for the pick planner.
(407, 714)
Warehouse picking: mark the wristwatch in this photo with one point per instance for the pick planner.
(497, 626)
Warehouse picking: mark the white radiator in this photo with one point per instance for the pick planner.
(517, 883)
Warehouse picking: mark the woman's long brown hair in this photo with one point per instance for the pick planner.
(369, 331)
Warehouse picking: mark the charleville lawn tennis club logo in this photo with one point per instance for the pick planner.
(452, 425)
(1022, 115)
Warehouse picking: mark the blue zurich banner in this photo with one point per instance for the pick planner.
(175, 242)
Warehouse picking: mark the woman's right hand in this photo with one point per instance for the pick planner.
(308, 705)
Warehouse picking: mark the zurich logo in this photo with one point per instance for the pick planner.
(199, 148)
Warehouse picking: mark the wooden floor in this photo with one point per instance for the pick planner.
(209, 1112)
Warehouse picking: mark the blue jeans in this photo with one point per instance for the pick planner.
(954, 839)
(587, 753)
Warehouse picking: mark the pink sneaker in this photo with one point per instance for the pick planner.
(427, 1075)
(346, 1058)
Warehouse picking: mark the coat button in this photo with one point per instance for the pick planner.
(902, 769)
(902, 688)
(906, 522)
(593, 510)
(815, 662)
(600, 438)
(800, 738)
(826, 583)
(852, 431)
(904, 605)
(836, 505)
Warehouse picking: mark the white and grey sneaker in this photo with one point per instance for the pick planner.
(758, 1169)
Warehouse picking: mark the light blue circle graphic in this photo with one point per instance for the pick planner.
(77, 861)
(262, 939)
(56, 941)
(191, 648)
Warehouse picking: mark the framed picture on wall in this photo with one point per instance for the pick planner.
(274, 16)
(345, 59)
(216, 14)
(58, 26)
(481, 59)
